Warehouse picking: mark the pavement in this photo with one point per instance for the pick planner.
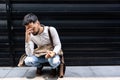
(72, 73)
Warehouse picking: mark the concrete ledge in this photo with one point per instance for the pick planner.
(72, 73)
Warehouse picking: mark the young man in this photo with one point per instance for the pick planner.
(38, 34)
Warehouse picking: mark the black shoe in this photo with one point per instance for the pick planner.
(39, 71)
(53, 73)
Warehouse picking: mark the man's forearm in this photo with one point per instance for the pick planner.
(29, 48)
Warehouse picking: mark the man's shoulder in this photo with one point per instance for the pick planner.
(52, 28)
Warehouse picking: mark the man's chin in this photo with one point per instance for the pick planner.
(35, 33)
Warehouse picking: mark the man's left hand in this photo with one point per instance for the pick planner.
(49, 54)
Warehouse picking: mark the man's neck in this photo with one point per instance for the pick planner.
(41, 29)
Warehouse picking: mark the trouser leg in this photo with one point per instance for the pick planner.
(34, 61)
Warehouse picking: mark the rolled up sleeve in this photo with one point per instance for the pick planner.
(29, 48)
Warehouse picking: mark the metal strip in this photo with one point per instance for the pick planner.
(10, 31)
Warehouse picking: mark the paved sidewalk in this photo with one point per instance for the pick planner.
(72, 73)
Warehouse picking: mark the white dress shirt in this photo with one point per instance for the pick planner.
(43, 39)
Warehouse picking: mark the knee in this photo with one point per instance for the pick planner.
(29, 61)
(55, 60)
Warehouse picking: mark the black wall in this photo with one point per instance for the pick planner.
(89, 29)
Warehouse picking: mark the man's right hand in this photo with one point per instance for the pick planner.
(27, 34)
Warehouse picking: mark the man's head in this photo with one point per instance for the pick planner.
(31, 22)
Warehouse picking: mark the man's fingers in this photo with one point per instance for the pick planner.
(47, 56)
(30, 30)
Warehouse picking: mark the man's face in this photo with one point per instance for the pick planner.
(34, 27)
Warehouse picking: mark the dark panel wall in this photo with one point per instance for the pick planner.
(89, 29)
(5, 57)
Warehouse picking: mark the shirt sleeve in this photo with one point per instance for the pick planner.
(56, 40)
(29, 48)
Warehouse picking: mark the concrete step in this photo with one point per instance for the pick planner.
(72, 73)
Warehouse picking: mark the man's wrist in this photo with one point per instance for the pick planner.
(27, 44)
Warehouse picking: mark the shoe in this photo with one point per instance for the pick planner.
(39, 71)
(53, 73)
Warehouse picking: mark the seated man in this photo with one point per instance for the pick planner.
(38, 34)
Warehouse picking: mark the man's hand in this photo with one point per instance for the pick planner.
(49, 54)
(27, 34)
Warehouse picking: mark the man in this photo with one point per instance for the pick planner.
(38, 34)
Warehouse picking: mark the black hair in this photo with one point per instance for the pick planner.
(29, 18)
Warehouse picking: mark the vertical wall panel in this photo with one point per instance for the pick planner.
(5, 59)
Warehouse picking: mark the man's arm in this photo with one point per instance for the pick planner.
(56, 40)
(56, 43)
(29, 48)
(29, 45)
